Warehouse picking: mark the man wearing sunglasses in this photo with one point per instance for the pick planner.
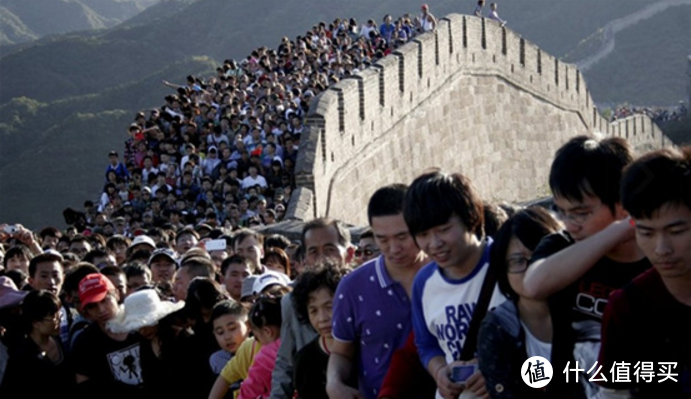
(367, 248)
(578, 268)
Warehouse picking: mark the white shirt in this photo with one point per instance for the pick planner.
(248, 182)
(535, 347)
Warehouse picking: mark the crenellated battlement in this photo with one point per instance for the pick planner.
(472, 96)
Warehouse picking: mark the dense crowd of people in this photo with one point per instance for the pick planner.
(659, 115)
(222, 150)
(445, 295)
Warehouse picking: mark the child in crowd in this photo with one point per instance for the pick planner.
(265, 322)
(230, 326)
(313, 299)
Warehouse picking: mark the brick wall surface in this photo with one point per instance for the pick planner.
(472, 97)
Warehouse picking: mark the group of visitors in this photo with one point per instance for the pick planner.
(222, 151)
(161, 289)
(446, 294)
(660, 115)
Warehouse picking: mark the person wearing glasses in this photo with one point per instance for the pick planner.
(367, 248)
(520, 327)
(40, 352)
(576, 269)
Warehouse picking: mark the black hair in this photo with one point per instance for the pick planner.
(494, 218)
(585, 166)
(367, 233)
(79, 238)
(199, 266)
(38, 305)
(239, 259)
(386, 201)
(203, 293)
(279, 256)
(117, 240)
(18, 277)
(434, 197)
(17, 250)
(266, 311)
(529, 226)
(50, 256)
(229, 307)
(277, 241)
(140, 255)
(186, 230)
(50, 232)
(95, 253)
(325, 274)
(113, 271)
(76, 274)
(136, 269)
(657, 179)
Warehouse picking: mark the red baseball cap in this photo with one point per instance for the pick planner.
(93, 288)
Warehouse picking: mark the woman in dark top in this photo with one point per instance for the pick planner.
(313, 299)
(521, 327)
(38, 365)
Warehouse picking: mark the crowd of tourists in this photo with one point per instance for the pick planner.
(222, 150)
(445, 295)
(659, 115)
(164, 290)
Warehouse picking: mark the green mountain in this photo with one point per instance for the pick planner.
(54, 157)
(24, 20)
(66, 100)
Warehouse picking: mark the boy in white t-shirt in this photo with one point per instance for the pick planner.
(445, 217)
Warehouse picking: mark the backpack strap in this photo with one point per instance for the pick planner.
(470, 345)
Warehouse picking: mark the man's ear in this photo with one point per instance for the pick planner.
(619, 211)
(350, 254)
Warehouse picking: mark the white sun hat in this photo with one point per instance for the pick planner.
(142, 309)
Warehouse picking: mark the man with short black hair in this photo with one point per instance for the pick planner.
(196, 266)
(445, 217)
(645, 332)
(116, 166)
(118, 245)
(46, 272)
(234, 270)
(50, 237)
(578, 268)
(254, 179)
(80, 246)
(375, 296)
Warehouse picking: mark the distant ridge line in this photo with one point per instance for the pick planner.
(616, 26)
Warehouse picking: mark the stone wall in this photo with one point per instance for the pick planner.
(472, 97)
